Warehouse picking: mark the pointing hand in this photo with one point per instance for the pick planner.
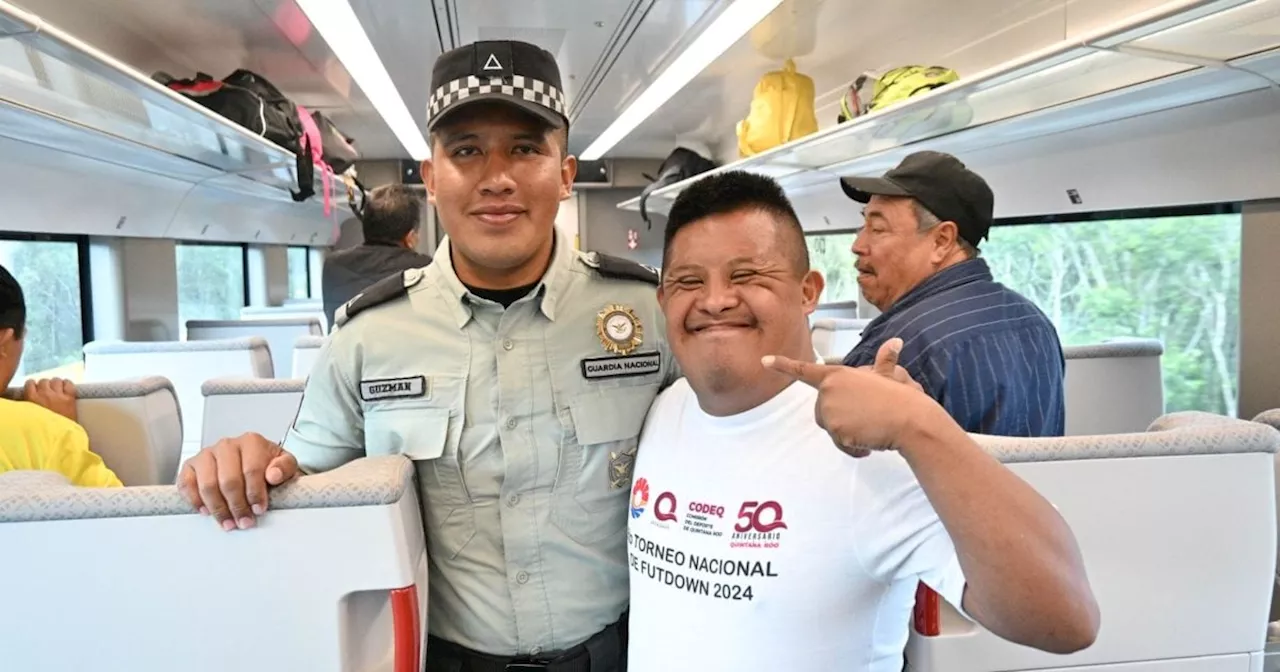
(863, 409)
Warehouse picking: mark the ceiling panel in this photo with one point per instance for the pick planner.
(667, 28)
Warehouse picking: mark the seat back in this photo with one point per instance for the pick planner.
(1177, 527)
(293, 309)
(233, 406)
(1272, 418)
(135, 426)
(305, 351)
(280, 335)
(186, 364)
(845, 310)
(335, 574)
(1113, 387)
(835, 337)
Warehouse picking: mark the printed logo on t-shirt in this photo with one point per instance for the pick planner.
(704, 518)
(664, 510)
(639, 497)
(759, 525)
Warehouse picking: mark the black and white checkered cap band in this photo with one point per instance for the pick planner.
(532, 90)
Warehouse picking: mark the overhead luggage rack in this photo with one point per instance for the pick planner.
(1177, 55)
(58, 93)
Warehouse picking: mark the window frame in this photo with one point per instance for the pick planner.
(844, 303)
(1193, 210)
(306, 259)
(244, 263)
(1149, 213)
(82, 267)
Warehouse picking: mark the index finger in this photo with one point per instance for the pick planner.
(809, 373)
(887, 357)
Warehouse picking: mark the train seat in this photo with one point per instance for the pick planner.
(233, 406)
(309, 309)
(134, 425)
(280, 334)
(835, 337)
(187, 364)
(836, 309)
(1177, 526)
(305, 351)
(1113, 387)
(333, 578)
(1272, 418)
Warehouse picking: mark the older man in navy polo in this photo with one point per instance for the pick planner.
(985, 352)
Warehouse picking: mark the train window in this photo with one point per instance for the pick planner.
(49, 272)
(299, 273)
(831, 254)
(1176, 279)
(211, 282)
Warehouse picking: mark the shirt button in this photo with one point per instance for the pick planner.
(511, 423)
(513, 500)
(522, 577)
(507, 344)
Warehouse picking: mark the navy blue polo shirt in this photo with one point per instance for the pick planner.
(983, 351)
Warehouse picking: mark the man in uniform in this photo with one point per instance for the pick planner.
(514, 371)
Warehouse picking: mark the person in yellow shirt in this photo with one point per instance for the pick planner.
(41, 433)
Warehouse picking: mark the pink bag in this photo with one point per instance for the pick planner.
(311, 139)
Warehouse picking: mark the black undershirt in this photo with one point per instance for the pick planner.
(506, 297)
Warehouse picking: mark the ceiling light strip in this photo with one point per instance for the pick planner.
(725, 31)
(337, 24)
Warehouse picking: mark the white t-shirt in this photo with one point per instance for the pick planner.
(755, 544)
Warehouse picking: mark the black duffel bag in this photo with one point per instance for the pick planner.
(247, 99)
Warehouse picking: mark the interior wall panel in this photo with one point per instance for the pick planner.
(1259, 310)
(151, 289)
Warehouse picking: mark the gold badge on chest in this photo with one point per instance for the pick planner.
(621, 465)
(619, 329)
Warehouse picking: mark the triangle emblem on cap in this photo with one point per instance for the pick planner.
(492, 63)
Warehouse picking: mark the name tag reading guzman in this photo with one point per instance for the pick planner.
(393, 388)
(616, 367)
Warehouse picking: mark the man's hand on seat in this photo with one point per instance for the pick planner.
(864, 408)
(55, 394)
(230, 479)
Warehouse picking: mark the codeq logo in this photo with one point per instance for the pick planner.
(639, 497)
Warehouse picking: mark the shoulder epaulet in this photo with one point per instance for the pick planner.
(617, 268)
(387, 289)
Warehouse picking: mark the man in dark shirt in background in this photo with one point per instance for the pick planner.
(983, 351)
(390, 220)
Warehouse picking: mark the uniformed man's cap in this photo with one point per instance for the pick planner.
(518, 73)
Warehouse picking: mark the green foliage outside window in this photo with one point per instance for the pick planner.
(1175, 279)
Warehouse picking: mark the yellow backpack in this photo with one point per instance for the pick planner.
(782, 109)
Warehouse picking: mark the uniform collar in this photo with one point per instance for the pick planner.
(549, 289)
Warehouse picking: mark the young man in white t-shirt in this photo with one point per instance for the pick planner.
(783, 512)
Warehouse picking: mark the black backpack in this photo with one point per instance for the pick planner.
(247, 99)
(681, 164)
